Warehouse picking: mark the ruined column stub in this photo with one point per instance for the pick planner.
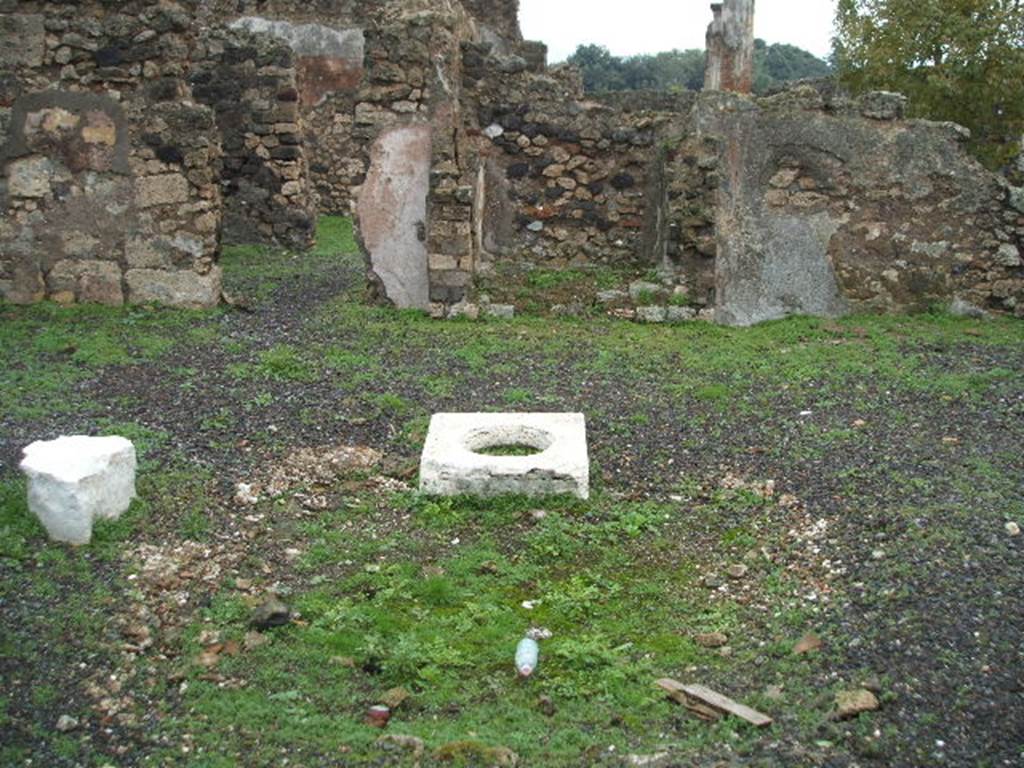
(730, 44)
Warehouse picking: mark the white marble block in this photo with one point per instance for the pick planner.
(73, 481)
(452, 463)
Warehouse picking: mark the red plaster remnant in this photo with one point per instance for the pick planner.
(730, 44)
(320, 76)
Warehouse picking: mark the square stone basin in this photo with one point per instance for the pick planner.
(492, 454)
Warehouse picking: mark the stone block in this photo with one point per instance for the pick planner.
(22, 40)
(88, 281)
(183, 288)
(456, 461)
(32, 177)
(73, 481)
(164, 189)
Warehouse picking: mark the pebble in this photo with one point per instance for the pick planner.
(272, 613)
(711, 640)
(737, 571)
(66, 723)
(1013, 529)
(850, 704)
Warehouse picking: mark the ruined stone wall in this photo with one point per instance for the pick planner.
(328, 46)
(830, 207)
(249, 81)
(573, 174)
(109, 174)
(497, 22)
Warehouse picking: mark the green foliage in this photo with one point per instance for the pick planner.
(958, 60)
(684, 70)
(778, 64)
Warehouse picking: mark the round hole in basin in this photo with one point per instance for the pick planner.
(511, 440)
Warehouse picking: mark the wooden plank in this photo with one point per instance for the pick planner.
(702, 695)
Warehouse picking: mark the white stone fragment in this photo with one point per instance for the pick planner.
(73, 481)
(451, 464)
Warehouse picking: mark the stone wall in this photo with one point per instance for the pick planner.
(249, 81)
(575, 173)
(109, 187)
(830, 206)
(328, 51)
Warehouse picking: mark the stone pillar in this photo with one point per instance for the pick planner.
(730, 43)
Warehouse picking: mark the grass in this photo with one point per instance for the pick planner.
(906, 427)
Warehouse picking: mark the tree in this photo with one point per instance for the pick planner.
(958, 60)
(684, 70)
(777, 64)
(601, 71)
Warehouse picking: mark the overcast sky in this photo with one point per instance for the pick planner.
(628, 27)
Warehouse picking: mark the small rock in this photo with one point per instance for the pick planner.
(245, 495)
(66, 723)
(807, 644)
(464, 309)
(1013, 529)
(394, 698)
(535, 226)
(711, 640)
(873, 684)
(652, 314)
(1008, 256)
(253, 640)
(712, 581)
(611, 297)
(546, 706)
(737, 571)
(500, 311)
(658, 760)
(493, 131)
(681, 314)
(850, 704)
(399, 741)
(774, 692)
(272, 613)
(962, 308)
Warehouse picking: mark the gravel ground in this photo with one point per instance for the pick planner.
(893, 498)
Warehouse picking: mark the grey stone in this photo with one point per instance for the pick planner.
(1017, 197)
(269, 614)
(535, 226)
(33, 177)
(883, 105)
(963, 308)
(652, 314)
(183, 288)
(500, 311)
(493, 131)
(1008, 256)
(681, 314)
(392, 209)
(22, 40)
(611, 297)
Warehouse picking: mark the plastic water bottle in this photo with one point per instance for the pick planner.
(527, 653)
